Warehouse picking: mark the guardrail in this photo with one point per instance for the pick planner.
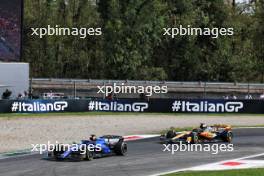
(140, 82)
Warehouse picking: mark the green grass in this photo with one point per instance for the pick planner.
(242, 172)
(16, 115)
(93, 113)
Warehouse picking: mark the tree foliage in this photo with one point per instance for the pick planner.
(132, 44)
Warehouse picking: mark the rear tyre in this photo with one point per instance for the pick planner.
(120, 148)
(227, 136)
(194, 137)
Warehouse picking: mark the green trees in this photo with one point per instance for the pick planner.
(132, 45)
(197, 58)
(62, 56)
(132, 28)
(258, 39)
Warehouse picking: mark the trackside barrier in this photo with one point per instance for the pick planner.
(134, 105)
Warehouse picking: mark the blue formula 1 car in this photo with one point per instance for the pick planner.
(107, 145)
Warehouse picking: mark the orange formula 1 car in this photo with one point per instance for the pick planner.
(203, 134)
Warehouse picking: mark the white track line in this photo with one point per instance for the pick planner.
(248, 127)
(190, 168)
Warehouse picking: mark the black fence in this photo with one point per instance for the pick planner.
(134, 105)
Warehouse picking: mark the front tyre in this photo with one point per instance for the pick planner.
(170, 134)
(76, 156)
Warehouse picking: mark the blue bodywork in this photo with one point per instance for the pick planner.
(105, 148)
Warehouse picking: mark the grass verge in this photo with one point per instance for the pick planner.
(23, 115)
(242, 172)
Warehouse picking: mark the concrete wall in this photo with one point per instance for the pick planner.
(15, 77)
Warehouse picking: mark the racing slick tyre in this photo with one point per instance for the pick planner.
(50, 155)
(120, 148)
(194, 138)
(77, 156)
(89, 155)
(227, 136)
(170, 134)
(57, 151)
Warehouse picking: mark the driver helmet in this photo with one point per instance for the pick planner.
(203, 126)
(93, 137)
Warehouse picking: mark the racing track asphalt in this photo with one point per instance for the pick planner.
(145, 157)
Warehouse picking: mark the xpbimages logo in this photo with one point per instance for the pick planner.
(39, 106)
(65, 31)
(183, 147)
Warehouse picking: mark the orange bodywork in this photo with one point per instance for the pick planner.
(207, 135)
